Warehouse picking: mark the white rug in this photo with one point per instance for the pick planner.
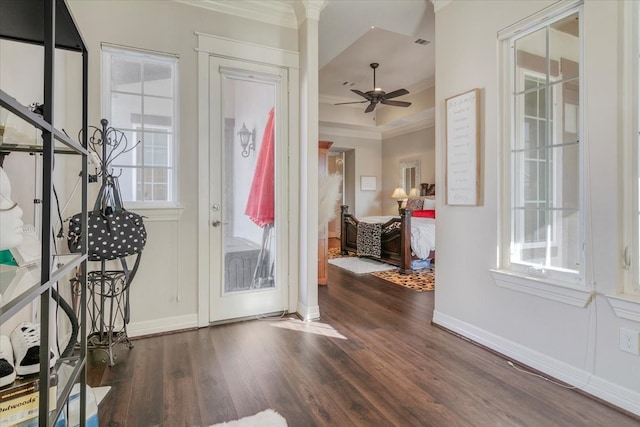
(266, 418)
(360, 265)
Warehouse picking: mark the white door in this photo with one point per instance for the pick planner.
(248, 211)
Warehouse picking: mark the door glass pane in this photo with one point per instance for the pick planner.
(248, 183)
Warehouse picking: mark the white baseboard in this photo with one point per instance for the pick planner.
(150, 327)
(621, 397)
(308, 313)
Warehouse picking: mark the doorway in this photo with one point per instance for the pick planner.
(245, 237)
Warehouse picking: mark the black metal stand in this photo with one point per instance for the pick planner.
(109, 309)
(108, 290)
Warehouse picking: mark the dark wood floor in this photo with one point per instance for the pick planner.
(392, 368)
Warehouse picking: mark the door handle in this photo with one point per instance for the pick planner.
(216, 223)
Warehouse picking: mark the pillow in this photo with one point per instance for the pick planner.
(414, 204)
(428, 213)
(429, 204)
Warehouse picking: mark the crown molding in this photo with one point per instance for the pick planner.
(409, 127)
(308, 9)
(328, 129)
(438, 5)
(278, 13)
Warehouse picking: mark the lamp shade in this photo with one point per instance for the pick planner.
(399, 193)
(414, 192)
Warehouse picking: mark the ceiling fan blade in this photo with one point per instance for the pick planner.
(396, 93)
(396, 103)
(371, 107)
(362, 94)
(354, 102)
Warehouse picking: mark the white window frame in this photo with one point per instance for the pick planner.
(626, 301)
(631, 252)
(521, 76)
(110, 51)
(563, 286)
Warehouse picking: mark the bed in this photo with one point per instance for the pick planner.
(397, 240)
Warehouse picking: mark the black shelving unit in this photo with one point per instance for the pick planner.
(49, 23)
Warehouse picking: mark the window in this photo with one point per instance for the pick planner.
(140, 99)
(543, 206)
(632, 262)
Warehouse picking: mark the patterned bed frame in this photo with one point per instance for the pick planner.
(395, 239)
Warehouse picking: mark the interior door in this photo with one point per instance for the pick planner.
(246, 216)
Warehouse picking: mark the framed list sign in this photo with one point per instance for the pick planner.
(463, 149)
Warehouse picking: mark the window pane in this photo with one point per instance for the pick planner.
(127, 181)
(127, 153)
(158, 79)
(545, 151)
(564, 45)
(141, 95)
(566, 177)
(565, 241)
(157, 112)
(125, 75)
(124, 109)
(530, 55)
(156, 149)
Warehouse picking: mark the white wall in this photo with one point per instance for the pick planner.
(578, 345)
(365, 160)
(417, 145)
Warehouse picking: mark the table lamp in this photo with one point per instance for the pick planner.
(400, 195)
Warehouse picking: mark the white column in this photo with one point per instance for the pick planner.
(308, 15)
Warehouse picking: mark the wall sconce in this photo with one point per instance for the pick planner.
(400, 195)
(247, 140)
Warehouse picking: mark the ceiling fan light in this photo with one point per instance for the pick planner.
(378, 89)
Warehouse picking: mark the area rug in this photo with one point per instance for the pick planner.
(360, 265)
(266, 418)
(335, 253)
(418, 280)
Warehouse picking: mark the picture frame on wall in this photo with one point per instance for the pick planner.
(368, 183)
(463, 149)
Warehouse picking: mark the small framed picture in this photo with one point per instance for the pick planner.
(368, 183)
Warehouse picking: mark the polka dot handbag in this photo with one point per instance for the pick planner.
(112, 231)
(109, 236)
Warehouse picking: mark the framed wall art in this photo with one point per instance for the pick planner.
(463, 150)
(368, 183)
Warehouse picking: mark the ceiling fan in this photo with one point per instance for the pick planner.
(377, 95)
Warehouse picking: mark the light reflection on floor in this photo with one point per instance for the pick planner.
(317, 328)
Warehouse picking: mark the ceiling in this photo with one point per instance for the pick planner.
(352, 35)
(355, 33)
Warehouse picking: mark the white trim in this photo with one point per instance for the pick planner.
(203, 189)
(308, 313)
(241, 50)
(349, 132)
(543, 287)
(153, 54)
(438, 5)
(626, 306)
(532, 22)
(151, 214)
(620, 396)
(271, 12)
(629, 147)
(212, 46)
(162, 324)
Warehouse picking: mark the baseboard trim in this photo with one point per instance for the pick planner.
(622, 398)
(169, 324)
(308, 313)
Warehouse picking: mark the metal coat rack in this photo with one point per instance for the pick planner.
(108, 298)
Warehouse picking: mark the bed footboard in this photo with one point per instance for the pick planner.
(395, 238)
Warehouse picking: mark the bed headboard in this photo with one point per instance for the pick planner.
(420, 203)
